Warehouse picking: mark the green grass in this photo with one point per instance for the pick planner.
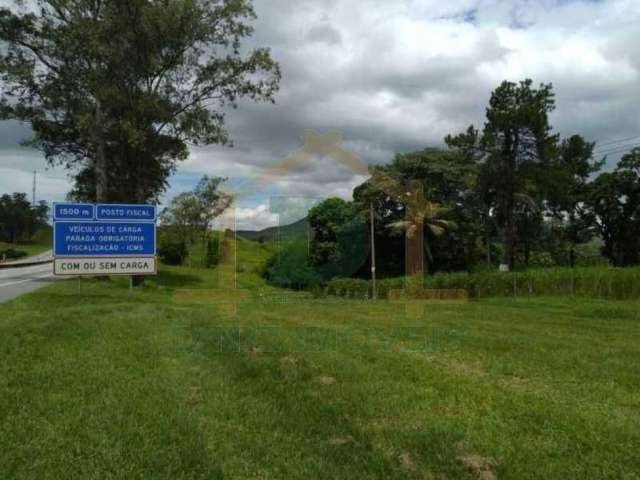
(29, 248)
(98, 382)
(251, 255)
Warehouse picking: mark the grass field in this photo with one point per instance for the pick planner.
(164, 383)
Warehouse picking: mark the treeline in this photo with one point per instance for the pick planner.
(510, 193)
(19, 219)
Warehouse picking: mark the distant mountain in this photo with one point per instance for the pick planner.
(296, 230)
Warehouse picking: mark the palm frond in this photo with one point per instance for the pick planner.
(526, 200)
(436, 229)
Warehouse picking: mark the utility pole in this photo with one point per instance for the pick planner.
(374, 291)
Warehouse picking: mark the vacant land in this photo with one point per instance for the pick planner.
(98, 382)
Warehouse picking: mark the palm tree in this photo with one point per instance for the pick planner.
(418, 217)
(420, 213)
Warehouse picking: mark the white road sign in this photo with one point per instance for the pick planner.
(105, 266)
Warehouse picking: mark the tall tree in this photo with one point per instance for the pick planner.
(119, 89)
(516, 139)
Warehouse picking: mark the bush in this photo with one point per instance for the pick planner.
(290, 268)
(11, 254)
(173, 252)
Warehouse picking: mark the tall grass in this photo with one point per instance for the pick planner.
(594, 282)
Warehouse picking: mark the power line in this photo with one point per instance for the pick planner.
(618, 149)
(615, 147)
(612, 142)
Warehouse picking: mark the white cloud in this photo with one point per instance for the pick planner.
(398, 76)
(255, 218)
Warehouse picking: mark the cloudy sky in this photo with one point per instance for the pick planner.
(395, 76)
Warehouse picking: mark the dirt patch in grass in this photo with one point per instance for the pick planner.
(195, 396)
(325, 380)
(289, 359)
(406, 461)
(481, 467)
(338, 441)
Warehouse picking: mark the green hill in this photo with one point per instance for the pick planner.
(296, 230)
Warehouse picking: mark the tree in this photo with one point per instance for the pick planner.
(291, 267)
(325, 219)
(118, 89)
(441, 182)
(210, 204)
(419, 214)
(339, 246)
(480, 197)
(529, 225)
(181, 216)
(422, 214)
(19, 219)
(191, 214)
(567, 190)
(614, 206)
(515, 140)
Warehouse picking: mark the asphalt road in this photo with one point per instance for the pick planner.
(20, 280)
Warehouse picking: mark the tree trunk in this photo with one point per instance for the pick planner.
(138, 280)
(414, 250)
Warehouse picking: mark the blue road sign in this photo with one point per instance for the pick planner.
(100, 239)
(130, 213)
(73, 211)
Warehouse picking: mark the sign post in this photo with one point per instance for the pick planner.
(103, 239)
